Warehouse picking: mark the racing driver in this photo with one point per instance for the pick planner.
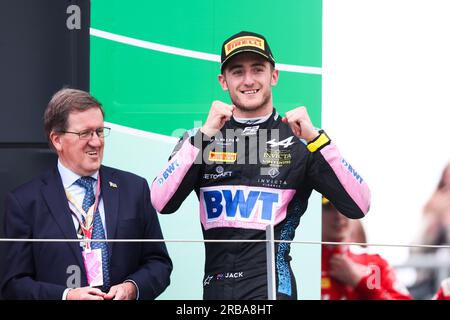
(251, 168)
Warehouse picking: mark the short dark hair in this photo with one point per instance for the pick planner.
(62, 104)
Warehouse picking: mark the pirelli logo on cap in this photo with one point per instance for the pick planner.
(222, 156)
(247, 41)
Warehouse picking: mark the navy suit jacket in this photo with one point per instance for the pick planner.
(43, 270)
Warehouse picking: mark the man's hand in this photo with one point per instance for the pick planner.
(85, 293)
(343, 269)
(123, 291)
(300, 124)
(218, 114)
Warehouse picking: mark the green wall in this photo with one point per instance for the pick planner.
(161, 94)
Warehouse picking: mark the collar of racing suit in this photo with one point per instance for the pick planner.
(265, 123)
(253, 121)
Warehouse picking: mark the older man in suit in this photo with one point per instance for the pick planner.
(81, 199)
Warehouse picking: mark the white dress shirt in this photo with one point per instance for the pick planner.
(68, 178)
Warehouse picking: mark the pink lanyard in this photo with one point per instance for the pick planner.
(88, 224)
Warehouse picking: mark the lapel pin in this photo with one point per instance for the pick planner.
(112, 185)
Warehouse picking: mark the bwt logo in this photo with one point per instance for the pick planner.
(168, 172)
(218, 201)
(352, 171)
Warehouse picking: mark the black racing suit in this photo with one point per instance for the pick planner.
(248, 177)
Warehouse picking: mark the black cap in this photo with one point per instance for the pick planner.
(245, 41)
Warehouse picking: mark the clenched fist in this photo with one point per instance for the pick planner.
(218, 114)
(301, 125)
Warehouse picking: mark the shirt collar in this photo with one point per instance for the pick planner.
(69, 177)
(253, 121)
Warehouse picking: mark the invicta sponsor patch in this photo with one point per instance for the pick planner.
(247, 41)
(222, 156)
(277, 158)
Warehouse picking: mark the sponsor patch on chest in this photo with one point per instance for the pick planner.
(242, 206)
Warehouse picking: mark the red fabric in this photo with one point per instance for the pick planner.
(444, 291)
(379, 283)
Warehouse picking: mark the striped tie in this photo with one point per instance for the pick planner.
(98, 232)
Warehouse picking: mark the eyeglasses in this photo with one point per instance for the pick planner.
(88, 134)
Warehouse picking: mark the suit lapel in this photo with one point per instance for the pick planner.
(53, 193)
(110, 195)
